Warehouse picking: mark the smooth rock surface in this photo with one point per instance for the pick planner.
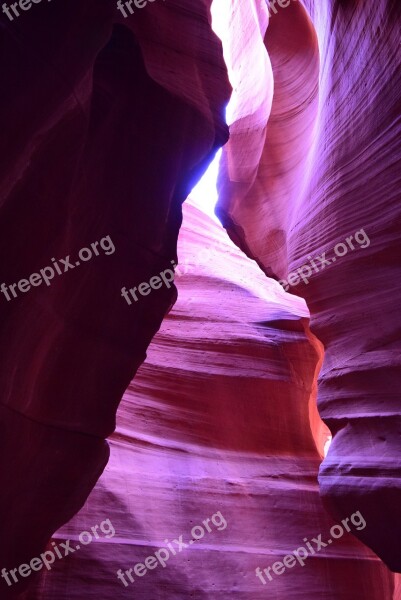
(85, 127)
(330, 167)
(196, 436)
(106, 124)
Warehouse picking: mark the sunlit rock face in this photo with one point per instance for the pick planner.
(329, 167)
(217, 420)
(123, 116)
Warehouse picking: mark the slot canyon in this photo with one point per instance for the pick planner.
(233, 429)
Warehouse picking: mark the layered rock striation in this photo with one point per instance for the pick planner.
(324, 197)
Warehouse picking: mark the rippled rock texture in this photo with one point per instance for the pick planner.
(94, 144)
(217, 420)
(107, 122)
(328, 167)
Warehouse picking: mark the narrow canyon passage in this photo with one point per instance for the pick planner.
(217, 420)
(244, 440)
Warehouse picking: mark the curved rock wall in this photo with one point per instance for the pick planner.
(85, 128)
(217, 420)
(123, 116)
(330, 169)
